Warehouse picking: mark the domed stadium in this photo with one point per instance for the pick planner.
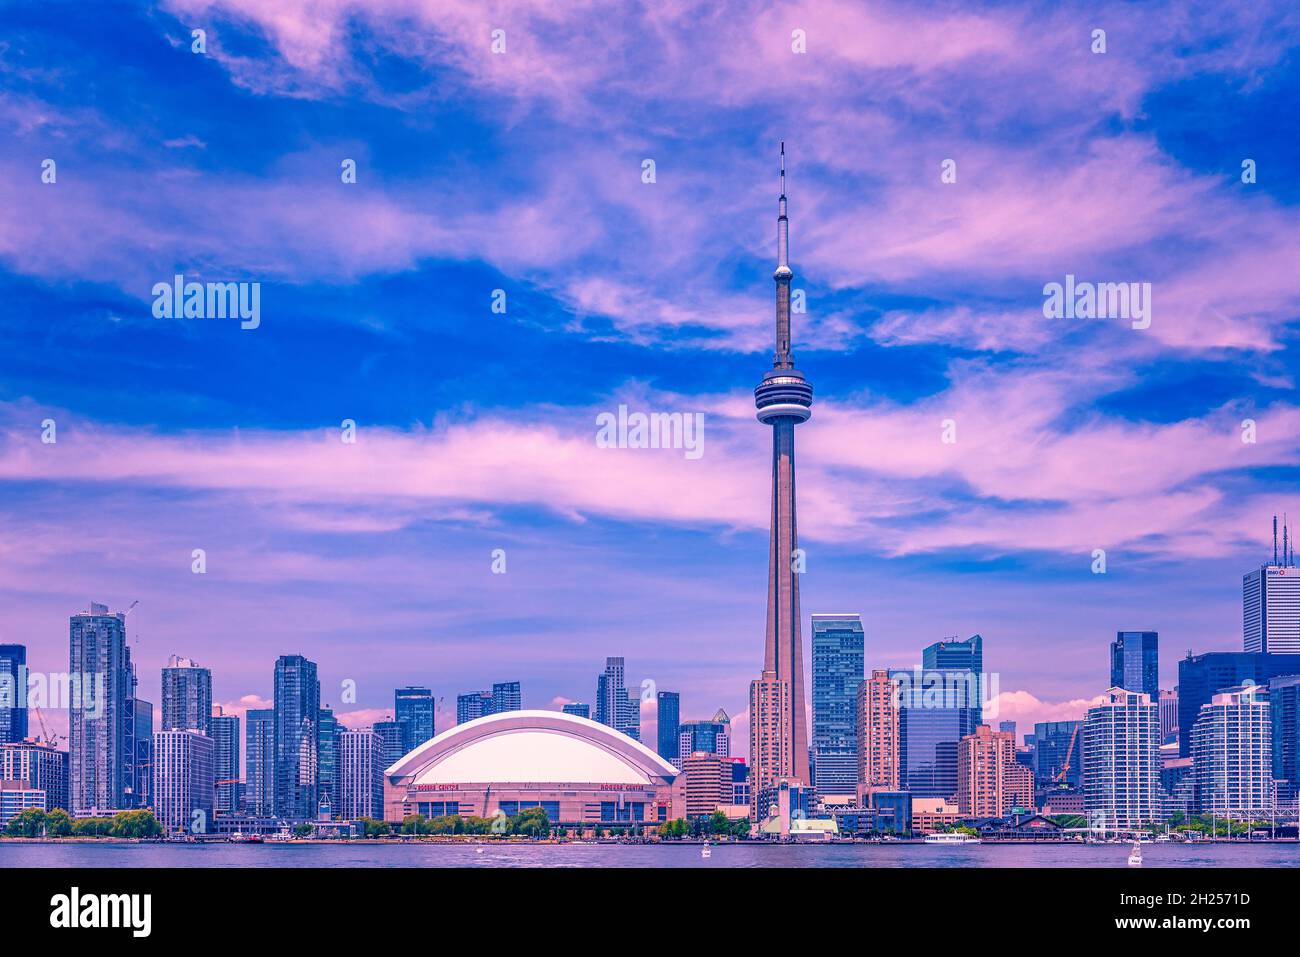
(578, 771)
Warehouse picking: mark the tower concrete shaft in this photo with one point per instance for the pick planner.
(783, 400)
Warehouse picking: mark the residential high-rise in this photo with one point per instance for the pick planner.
(837, 671)
(617, 705)
(392, 745)
(1058, 754)
(1284, 702)
(1121, 760)
(1135, 662)
(361, 775)
(413, 709)
(186, 696)
(100, 714)
(13, 693)
(934, 714)
(297, 708)
(476, 704)
(709, 783)
(182, 781)
(668, 724)
(507, 696)
(778, 719)
(953, 655)
(1232, 753)
(990, 781)
(878, 736)
(40, 766)
(578, 709)
(224, 730)
(259, 751)
(1201, 677)
(1270, 603)
(328, 730)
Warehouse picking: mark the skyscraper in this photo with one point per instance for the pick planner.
(259, 752)
(182, 781)
(40, 766)
(186, 696)
(413, 708)
(297, 707)
(778, 719)
(1270, 602)
(1168, 716)
(577, 709)
(710, 737)
(141, 771)
(361, 775)
(1284, 702)
(1058, 753)
(13, 693)
(1121, 760)
(668, 724)
(476, 704)
(1135, 662)
(391, 748)
(1200, 677)
(934, 714)
(100, 714)
(1232, 753)
(224, 731)
(968, 655)
(617, 705)
(837, 670)
(878, 735)
(328, 730)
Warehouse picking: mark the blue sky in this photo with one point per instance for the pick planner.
(522, 171)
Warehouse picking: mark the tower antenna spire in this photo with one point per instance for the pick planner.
(1274, 539)
(783, 275)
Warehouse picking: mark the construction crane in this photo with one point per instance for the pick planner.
(51, 740)
(1065, 768)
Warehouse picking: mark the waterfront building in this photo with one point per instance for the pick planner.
(878, 735)
(297, 709)
(328, 730)
(837, 671)
(952, 655)
(183, 789)
(740, 790)
(578, 709)
(361, 775)
(391, 738)
(933, 814)
(1270, 603)
(259, 791)
(224, 730)
(101, 748)
(1201, 677)
(141, 771)
(1232, 753)
(40, 766)
(712, 736)
(990, 781)
(580, 772)
(1135, 662)
(413, 707)
(708, 783)
(1121, 760)
(186, 696)
(668, 725)
(18, 796)
(13, 693)
(934, 714)
(778, 716)
(1284, 702)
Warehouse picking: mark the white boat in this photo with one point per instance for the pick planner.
(706, 851)
(951, 837)
(1135, 855)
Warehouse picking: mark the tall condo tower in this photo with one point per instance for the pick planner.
(778, 718)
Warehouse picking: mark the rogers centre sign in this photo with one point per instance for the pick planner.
(424, 788)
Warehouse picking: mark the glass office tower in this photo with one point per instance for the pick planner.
(837, 671)
(1135, 662)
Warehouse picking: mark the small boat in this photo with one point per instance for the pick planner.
(950, 837)
(706, 851)
(1135, 855)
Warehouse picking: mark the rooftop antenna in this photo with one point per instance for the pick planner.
(1274, 539)
(1284, 539)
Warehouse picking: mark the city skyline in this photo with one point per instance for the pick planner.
(922, 305)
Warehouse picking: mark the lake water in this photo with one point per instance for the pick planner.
(14, 854)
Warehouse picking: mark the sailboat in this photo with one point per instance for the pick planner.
(1135, 855)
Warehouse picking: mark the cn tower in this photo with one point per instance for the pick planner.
(778, 718)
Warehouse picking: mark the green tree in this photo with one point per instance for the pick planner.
(531, 822)
(718, 823)
(372, 828)
(58, 823)
(139, 823)
(29, 822)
